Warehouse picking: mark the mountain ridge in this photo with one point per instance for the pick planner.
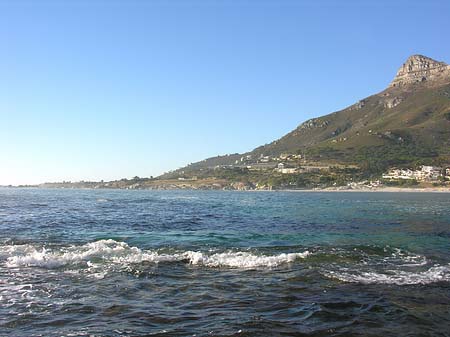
(418, 68)
(412, 116)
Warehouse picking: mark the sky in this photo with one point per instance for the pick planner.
(93, 90)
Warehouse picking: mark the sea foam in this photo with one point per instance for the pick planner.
(120, 253)
(398, 277)
(399, 267)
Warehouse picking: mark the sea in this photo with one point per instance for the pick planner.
(223, 263)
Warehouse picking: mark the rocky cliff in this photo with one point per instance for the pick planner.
(421, 69)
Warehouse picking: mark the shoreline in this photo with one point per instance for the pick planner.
(386, 189)
(376, 190)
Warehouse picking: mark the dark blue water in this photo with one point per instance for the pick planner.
(185, 263)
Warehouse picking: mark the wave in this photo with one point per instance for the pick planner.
(405, 258)
(120, 253)
(372, 265)
(243, 259)
(398, 277)
(389, 265)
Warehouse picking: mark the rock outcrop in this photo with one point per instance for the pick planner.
(419, 69)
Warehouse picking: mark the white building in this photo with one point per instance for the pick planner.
(281, 168)
(288, 170)
(431, 172)
(426, 173)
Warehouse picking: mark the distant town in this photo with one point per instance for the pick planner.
(284, 172)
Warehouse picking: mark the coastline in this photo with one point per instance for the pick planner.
(384, 189)
(375, 190)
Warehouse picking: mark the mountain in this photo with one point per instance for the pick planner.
(406, 124)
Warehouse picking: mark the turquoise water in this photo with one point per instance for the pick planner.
(206, 263)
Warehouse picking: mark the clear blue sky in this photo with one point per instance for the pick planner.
(110, 89)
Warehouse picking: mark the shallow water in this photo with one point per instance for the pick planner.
(184, 263)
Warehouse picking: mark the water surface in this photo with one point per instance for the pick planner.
(184, 263)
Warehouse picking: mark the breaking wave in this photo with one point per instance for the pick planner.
(398, 277)
(120, 253)
(393, 266)
(373, 266)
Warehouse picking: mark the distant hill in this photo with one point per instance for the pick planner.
(407, 124)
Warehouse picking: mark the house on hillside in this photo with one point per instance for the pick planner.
(289, 170)
(426, 173)
(405, 174)
(281, 168)
(431, 172)
(264, 159)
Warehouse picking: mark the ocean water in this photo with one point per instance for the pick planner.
(205, 263)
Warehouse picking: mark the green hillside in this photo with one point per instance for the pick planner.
(407, 124)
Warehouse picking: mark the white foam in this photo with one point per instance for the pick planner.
(119, 253)
(243, 259)
(407, 259)
(401, 267)
(399, 277)
(73, 255)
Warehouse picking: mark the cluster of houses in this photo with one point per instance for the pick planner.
(425, 173)
(284, 163)
(287, 163)
(249, 159)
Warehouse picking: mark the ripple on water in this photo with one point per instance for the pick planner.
(139, 263)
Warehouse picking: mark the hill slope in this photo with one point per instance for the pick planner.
(406, 124)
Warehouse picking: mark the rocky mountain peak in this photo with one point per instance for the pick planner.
(418, 69)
